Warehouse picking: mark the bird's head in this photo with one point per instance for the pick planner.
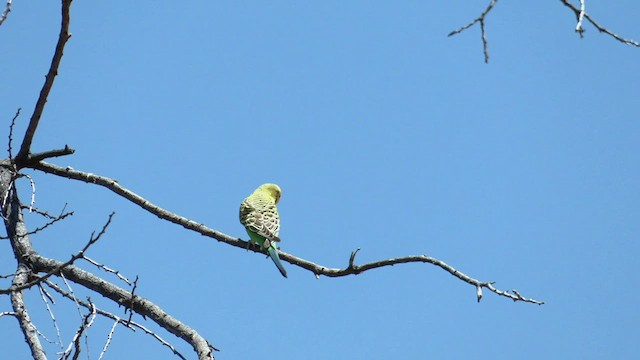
(273, 190)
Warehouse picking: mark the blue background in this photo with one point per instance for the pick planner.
(384, 134)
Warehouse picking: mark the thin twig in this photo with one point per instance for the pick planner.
(109, 337)
(13, 123)
(64, 36)
(8, 313)
(53, 220)
(581, 13)
(5, 13)
(46, 214)
(33, 191)
(107, 269)
(579, 28)
(75, 342)
(480, 19)
(46, 297)
(132, 301)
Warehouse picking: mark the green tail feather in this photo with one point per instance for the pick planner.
(273, 254)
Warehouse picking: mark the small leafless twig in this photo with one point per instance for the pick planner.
(46, 297)
(109, 337)
(34, 158)
(53, 220)
(7, 276)
(75, 342)
(33, 191)
(43, 336)
(480, 19)
(581, 14)
(46, 214)
(133, 297)
(5, 13)
(8, 313)
(579, 28)
(107, 269)
(13, 123)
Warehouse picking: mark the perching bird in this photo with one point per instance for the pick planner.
(259, 215)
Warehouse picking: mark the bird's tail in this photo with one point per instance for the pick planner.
(273, 254)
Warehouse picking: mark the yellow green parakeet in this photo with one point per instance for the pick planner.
(259, 215)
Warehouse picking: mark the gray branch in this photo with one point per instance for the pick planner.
(64, 36)
(318, 270)
(124, 298)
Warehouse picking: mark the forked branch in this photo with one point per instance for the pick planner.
(64, 36)
(480, 19)
(582, 14)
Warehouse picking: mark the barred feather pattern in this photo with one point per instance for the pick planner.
(259, 214)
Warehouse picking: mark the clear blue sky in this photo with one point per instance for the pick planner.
(384, 135)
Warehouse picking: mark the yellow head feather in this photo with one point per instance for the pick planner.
(272, 189)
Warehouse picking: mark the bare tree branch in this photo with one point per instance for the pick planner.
(50, 154)
(92, 240)
(13, 123)
(118, 320)
(5, 13)
(582, 14)
(107, 269)
(46, 298)
(29, 330)
(87, 321)
(51, 222)
(48, 84)
(17, 230)
(122, 297)
(480, 19)
(318, 270)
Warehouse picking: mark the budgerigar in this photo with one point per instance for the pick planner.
(259, 215)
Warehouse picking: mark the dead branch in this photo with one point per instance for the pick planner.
(64, 36)
(29, 330)
(46, 298)
(141, 305)
(87, 321)
(50, 154)
(318, 270)
(53, 220)
(5, 13)
(13, 123)
(118, 320)
(92, 240)
(581, 13)
(108, 269)
(480, 19)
